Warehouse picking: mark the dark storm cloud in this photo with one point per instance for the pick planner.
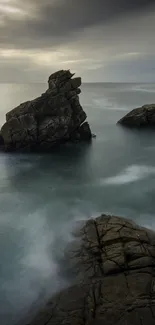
(69, 15)
(98, 39)
(50, 23)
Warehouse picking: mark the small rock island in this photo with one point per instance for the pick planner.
(113, 262)
(140, 117)
(51, 119)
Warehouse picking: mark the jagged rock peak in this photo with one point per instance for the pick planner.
(63, 79)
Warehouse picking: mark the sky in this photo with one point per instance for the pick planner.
(99, 40)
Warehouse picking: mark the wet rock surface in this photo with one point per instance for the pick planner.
(113, 262)
(140, 117)
(48, 120)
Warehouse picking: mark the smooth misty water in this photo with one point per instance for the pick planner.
(41, 197)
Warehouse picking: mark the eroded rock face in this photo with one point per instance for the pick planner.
(140, 117)
(49, 119)
(113, 262)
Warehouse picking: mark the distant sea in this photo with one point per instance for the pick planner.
(42, 196)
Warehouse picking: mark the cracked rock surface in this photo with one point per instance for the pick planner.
(113, 262)
(140, 117)
(51, 119)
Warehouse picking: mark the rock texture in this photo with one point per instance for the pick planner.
(54, 117)
(113, 262)
(140, 117)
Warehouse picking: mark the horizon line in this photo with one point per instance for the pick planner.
(85, 82)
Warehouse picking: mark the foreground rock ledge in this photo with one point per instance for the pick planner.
(140, 117)
(51, 119)
(113, 261)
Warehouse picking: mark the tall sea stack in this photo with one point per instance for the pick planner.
(51, 119)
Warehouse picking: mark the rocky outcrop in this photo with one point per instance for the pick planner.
(113, 263)
(140, 117)
(54, 117)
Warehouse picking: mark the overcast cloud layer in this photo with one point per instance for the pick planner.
(101, 40)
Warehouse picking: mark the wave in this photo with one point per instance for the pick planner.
(130, 174)
(143, 88)
(104, 103)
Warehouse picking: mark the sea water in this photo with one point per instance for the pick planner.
(42, 196)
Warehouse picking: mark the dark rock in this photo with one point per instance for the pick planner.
(113, 262)
(49, 119)
(19, 131)
(140, 117)
(59, 78)
(83, 133)
(1, 143)
(1, 140)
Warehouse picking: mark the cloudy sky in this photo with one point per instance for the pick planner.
(100, 40)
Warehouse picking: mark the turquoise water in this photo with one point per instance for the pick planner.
(41, 197)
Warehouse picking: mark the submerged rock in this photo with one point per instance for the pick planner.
(113, 262)
(140, 117)
(48, 120)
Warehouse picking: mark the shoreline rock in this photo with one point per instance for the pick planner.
(53, 118)
(143, 116)
(113, 263)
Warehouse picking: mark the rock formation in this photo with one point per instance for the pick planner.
(140, 117)
(54, 117)
(113, 262)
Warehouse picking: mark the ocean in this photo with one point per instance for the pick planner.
(43, 196)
